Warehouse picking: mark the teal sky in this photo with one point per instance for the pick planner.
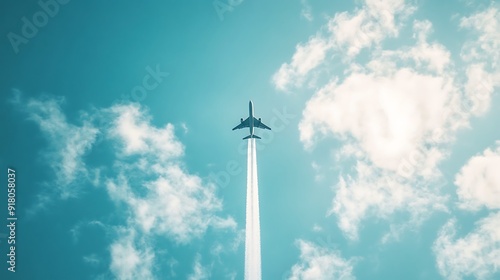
(117, 119)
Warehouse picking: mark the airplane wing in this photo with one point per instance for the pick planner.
(259, 124)
(245, 123)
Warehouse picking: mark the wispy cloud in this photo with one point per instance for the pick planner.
(131, 256)
(369, 25)
(346, 33)
(318, 263)
(482, 55)
(475, 255)
(92, 259)
(486, 25)
(75, 231)
(67, 144)
(306, 11)
(374, 193)
(200, 272)
(307, 57)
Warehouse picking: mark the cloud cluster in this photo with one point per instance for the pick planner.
(475, 255)
(395, 111)
(148, 179)
(485, 47)
(482, 57)
(347, 34)
(372, 192)
(152, 182)
(478, 181)
(318, 263)
(368, 25)
(376, 110)
(163, 199)
(394, 115)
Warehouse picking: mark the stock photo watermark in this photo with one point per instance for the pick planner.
(11, 219)
(409, 164)
(278, 123)
(31, 26)
(150, 82)
(222, 7)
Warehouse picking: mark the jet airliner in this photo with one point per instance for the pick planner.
(251, 122)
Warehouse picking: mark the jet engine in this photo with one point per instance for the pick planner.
(241, 120)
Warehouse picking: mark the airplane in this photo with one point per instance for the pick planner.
(251, 122)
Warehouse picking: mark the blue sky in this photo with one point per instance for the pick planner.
(382, 163)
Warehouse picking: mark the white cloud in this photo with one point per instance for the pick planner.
(424, 56)
(396, 115)
(376, 193)
(479, 88)
(175, 204)
(172, 264)
(76, 230)
(307, 57)
(376, 112)
(483, 58)
(162, 196)
(42, 200)
(200, 272)
(319, 174)
(184, 128)
(485, 48)
(394, 124)
(375, 105)
(475, 255)
(92, 259)
(68, 143)
(131, 126)
(148, 176)
(347, 33)
(368, 25)
(478, 181)
(231, 275)
(317, 228)
(131, 257)
(306, 11)
(318, 263)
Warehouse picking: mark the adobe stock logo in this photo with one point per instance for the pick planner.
(149, 82)
(30, 27)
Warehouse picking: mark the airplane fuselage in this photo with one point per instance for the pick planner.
(250, 113)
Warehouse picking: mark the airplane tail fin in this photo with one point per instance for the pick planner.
(252, 136)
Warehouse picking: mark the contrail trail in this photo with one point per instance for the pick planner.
(252, 231)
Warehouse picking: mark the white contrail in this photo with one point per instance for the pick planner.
(252, 231)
